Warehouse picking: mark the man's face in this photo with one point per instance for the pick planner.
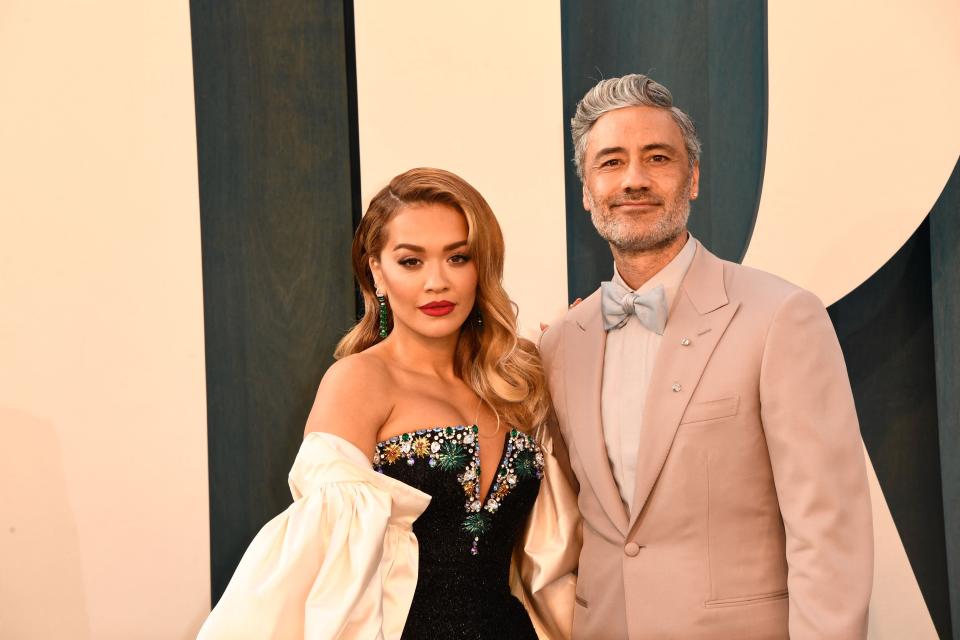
(637, 179)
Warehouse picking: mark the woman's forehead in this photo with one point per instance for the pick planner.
(430, 226)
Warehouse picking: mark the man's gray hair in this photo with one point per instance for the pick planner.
(633, 90)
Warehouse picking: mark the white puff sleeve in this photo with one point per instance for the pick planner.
(340, 562)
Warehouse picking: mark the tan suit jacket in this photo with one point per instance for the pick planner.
(751, 514)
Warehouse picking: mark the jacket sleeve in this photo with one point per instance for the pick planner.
(817, 457)
(543, 571)
(340, 562)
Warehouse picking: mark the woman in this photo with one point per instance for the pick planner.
(423, 459)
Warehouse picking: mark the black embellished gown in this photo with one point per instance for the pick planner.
(465, 547)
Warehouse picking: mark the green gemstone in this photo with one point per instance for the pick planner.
(448, 431)
(405, 437)
(476, 429)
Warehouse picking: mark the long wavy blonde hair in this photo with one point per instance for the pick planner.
(499, 366)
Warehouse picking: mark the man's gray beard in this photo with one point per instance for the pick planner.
(625, 240)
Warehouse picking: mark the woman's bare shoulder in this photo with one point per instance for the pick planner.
(353, 400)
(356, 371)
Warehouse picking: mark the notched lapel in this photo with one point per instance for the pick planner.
(583, 379)
(699, 317)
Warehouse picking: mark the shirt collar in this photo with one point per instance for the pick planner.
(670, 276)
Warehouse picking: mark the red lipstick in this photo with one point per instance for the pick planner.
(438, 308)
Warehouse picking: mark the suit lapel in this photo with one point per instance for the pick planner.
(583, 377)
(698, 319)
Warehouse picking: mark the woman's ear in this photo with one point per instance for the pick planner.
(377, 272)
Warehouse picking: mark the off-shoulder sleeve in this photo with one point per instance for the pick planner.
(340, 562)
(543, 572)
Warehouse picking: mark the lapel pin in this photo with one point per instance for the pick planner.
(685, 342)
(676, 387)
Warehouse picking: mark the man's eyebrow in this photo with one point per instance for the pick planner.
(609, 150)
(653, 146)
(418, 249)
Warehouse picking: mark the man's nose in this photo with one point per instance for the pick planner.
(636, 177)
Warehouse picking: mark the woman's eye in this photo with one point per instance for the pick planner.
(410, 262)
(460, 258)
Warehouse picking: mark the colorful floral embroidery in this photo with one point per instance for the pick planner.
(421, 447)
(452, 456)
(456, 450)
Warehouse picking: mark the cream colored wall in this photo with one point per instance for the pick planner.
(103, 470)
(474, 88)
(862, 134)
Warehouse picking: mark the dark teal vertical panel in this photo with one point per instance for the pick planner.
(885, 327)
(945, 270)
(712, 57)
(279, 189)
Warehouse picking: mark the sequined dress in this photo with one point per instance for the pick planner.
(465, 545)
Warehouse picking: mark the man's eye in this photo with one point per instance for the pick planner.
(659, 158)
(459, 258)
(612, 162)
(410, 262)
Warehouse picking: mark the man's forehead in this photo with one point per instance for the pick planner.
(634, 126)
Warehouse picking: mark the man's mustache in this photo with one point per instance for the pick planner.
(634, 200)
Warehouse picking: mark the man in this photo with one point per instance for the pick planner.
(706, 411)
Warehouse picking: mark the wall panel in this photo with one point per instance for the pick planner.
(945, 276)
(277, 185)
(103, 465)
(474, 88)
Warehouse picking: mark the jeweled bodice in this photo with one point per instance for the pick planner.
(465, 545)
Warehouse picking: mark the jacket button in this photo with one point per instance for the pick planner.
(632, 549)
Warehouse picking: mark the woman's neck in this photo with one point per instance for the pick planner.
(424, 355)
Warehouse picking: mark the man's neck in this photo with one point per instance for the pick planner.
(636, 268)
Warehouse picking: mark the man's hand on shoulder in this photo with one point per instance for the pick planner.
(544, 326)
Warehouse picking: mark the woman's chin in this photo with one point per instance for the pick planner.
(436, 328)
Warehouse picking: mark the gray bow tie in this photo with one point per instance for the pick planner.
(618, 304)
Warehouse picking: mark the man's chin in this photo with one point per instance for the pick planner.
(644, 243)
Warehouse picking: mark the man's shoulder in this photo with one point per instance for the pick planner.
(757, 287)
(586, 312)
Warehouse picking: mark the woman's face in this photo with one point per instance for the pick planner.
(425, 271)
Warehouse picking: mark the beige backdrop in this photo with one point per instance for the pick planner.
(103, 469)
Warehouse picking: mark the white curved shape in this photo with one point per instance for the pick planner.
(862, 135)
(475, 88)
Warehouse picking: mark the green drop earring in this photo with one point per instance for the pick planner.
(382, 299)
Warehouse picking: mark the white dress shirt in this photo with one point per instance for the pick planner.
(628, 361)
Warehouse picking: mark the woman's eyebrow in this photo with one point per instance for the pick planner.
(417, 248)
